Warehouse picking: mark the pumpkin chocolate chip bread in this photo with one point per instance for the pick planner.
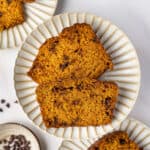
(118, 140)
(80, 102)
(11, 13)
(75, 53)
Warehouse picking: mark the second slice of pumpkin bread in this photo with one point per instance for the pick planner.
(80, 102)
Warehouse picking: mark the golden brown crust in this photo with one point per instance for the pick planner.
(80, 102)
(75, 53)
(28, 1)
(11, 13)
(118, 140)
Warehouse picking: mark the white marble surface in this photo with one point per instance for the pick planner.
(132, 16)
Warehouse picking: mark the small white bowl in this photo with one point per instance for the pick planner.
(137, 131)
(126, 71)
(8, 129)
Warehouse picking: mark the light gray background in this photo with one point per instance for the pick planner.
(132, 16)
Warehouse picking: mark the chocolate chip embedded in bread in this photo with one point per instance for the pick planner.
(108, 101)
(64, 65)
(76, 102)
(55, 121)
(122, 141)
(65, 57)
(53, 45)
(80, 86)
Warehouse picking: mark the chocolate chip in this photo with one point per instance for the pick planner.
(78, 51)
(28, 142)
(55, 89)
(107, 113)
(57, 104)
(108, 98)
(1, 142)
(15, 147)
(96, 148)
(3, 101)
(53, 45)
(4, 141)
(75, 102)
(16, 102)
(92, 95)
(107, 63)
(79, 86)
(106, 86)
(65, 57)
(70, 88)
(61, 89)
(58, 89)
(8, 105)
(77, 32)
(1, 110)
(49, 122)
(64, 66)
(57, 41)
(52, 49)
(107, 101)
(95, 39)
(55, 120)
(9, 1)
(12, 137)
(122, 141)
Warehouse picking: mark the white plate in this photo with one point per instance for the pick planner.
(126, 71)
(137, 131)
(36, 13)
(8, 129)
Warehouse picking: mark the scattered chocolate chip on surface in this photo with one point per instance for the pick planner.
(16, 102)
(3, 101)
(8, 105)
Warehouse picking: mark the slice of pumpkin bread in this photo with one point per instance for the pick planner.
(80, 102)
(75, 53)
(11, 13)
(118, 140)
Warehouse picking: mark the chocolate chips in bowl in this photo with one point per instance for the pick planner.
(17, 137)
